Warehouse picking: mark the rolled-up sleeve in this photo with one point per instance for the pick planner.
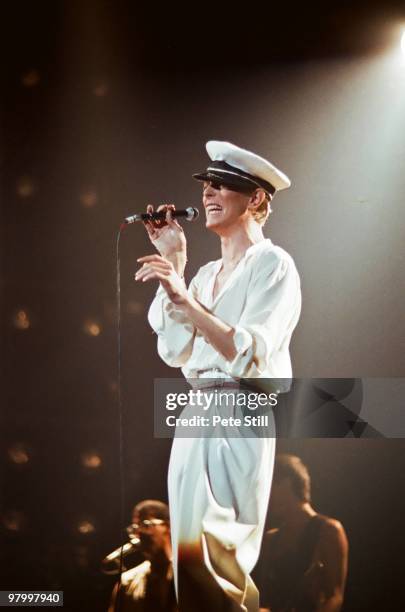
(174, 331)
(270, 315)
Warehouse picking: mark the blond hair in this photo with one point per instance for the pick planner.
(262, 212)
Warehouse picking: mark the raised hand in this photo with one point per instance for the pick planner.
(156, 267)
(167, 236)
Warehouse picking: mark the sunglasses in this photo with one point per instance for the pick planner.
(146, 524)
(218, 185)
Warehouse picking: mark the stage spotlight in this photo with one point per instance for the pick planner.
(21, 320)
(25, 187)
(88, 198)
(86, 527)
(100, 89)
(134, 308)
(91, 460)
(18, 453)
(92, 328)
(30, 78)
(13, 520)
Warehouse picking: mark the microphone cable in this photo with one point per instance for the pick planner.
(117, 603)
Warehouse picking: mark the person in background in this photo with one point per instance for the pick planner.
(148, 587)
(303, 562)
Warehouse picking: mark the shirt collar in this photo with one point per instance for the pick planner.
(256, 248)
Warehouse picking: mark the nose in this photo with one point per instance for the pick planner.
(208, 190)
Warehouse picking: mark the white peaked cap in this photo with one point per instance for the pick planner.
(238, 166)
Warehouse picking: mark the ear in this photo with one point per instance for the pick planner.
(257, 197)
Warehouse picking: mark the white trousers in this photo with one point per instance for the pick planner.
(219, 487)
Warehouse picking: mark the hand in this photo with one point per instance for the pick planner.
(158, 268)
(167, 236)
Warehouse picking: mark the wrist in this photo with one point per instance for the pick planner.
(187, 304)
(178, 260)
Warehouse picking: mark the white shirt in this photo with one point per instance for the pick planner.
(261, 300)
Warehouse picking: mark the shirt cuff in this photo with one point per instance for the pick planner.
(177, 315)
(243, 342)
(163, 312)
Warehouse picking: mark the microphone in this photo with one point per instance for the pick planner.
(189, 213)
(111, 563)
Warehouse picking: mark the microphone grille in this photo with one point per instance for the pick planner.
(192, 213)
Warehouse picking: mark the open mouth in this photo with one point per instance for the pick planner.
(213, 209)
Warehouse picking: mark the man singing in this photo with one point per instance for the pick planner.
(233, 322)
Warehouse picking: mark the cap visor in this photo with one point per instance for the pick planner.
(233, 182)
(202, 176)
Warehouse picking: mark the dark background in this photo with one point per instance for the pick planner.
(107, 106)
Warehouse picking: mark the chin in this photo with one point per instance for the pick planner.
(212, 225)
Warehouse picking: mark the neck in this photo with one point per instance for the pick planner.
(298, 515)
(162, 557)
(235, 243)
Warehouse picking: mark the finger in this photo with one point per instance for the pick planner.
(159, 223)
(162, 222)
(155, 266)
(151, 273)
(161, 265)
(154, 276)
(150, 229)
(148, 224)
(149, 210)
(154, 257)
(169, 216)
(172, 221)
(155, 223)
(150, 268)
